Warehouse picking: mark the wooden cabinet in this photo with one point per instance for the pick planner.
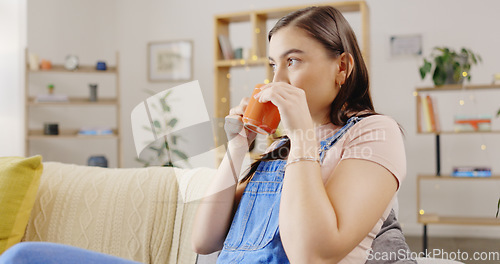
(258, 50)
(424, 217)
(83, 75)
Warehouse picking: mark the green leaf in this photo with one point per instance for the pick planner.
(167, 94)
(180, 154)
(172, 122)
(164, 105)
(157, 124)
(498, 113)
(426, 68)
(174, 140)
(439, 76)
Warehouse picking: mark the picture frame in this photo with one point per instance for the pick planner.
(170, 61)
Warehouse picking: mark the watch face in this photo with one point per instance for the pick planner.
(71, 62)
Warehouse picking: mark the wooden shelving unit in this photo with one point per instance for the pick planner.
(72, 134)
(56, 68)
(457, 87)
(426, 218)
(258, 50)
(74, 101)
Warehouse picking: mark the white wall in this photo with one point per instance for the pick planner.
(130, 25)
(12, 42)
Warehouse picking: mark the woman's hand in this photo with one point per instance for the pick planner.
(236, 132)
(292, 105)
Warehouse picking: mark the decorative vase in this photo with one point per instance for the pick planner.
(98, 161)
(93, 92)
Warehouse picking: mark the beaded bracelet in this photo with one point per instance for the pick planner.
(305, 158)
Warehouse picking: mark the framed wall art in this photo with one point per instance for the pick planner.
(170, 61)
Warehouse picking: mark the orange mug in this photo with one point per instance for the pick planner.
(262, 118)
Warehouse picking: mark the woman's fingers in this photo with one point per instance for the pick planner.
(233, 124)
(278, 92)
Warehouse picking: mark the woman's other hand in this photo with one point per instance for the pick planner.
(235, 130)
(292, 105)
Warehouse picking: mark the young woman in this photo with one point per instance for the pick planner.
(320, 194)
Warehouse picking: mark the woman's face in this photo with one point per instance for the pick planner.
(303, 62)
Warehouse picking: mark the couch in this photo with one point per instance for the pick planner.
(142, 214)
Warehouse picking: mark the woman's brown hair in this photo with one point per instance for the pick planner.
(329, 27)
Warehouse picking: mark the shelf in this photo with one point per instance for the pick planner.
(449, 177)
(73, 101)
(81, 69)
(457, 220)
(458, 133)
(242, 62)
(457, 87)
(73, 134)
(276, 13)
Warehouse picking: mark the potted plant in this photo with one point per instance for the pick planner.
(448, 66)
(162, 152)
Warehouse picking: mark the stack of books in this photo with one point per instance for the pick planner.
(472, 123)
(470, 171)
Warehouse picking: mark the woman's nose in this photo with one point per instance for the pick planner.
(280, 75)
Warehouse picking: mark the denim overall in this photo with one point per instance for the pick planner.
(254, 234)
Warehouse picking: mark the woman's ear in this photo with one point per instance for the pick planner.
(345, 66)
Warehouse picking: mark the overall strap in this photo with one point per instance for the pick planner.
(329, 142)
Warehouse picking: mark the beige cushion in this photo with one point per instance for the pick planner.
(19, 180)
(138, 214)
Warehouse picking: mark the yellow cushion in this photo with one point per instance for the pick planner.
(19, 181)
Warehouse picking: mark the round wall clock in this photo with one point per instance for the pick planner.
(71, 62)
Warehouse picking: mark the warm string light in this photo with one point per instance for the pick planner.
(421, 212)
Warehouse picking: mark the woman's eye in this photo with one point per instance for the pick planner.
(292, 62)
(273, 66)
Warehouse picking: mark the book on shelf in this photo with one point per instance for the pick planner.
(95, 131)
(225, 46)
(419, 114)
(471, 171)
(46, 98)
(427, 114)
(465, 123)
